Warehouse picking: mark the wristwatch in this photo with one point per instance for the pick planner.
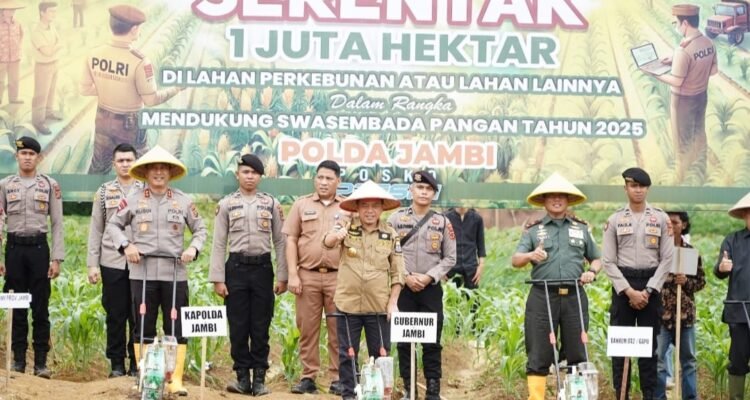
(125, 244)
(650, 290)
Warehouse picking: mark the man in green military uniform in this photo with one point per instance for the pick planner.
(557, 246)
(123, 80)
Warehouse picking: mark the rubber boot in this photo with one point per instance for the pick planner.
(175, 386)
(433, 389)
(40, 366)
(243, 385)
(736, 387)
(19, 362)
(118, 368)
(259, 382)
(537, 386)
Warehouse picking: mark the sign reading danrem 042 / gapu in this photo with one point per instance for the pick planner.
(492, 94)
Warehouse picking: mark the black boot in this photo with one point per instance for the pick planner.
(433, 389)
(259, 382)
(40, 366)
(118, 368)
(407, 391)
(133, 371)
(243, 385)
(19, 362)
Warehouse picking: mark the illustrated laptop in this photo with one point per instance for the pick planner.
(646, 59)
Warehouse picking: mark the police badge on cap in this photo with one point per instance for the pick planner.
(252, 161)
(637, 175)
(425, 177)
(27, 143)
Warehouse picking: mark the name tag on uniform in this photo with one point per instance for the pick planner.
(40, 196)
(624, 230)
(652, 230)
(575, 233)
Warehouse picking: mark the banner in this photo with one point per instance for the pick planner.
(484, 93)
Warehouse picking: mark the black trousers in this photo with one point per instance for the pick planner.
(349, 331)
(428, 300)
(621, 314)
(566, 321)
(739, 349)
(464, 277)
(158, 294)
(249, 310)
(26, 272)
(118, 304)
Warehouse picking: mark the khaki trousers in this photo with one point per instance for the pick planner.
(317, 295)
(10, 72)
(45, 83)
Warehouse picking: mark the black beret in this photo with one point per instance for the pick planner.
(26, 142)
(252, 161)
(637, 175)
(425, 177)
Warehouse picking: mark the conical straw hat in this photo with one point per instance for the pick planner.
(556, 183)
(738, 210)
(11, 5)
(370, 190)
(154, 156)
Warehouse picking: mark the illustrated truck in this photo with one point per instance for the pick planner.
(730, 18)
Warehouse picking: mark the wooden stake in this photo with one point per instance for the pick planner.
(413, 373)
(677, 332)
(625, 370)
(204, 341)
(8, 344)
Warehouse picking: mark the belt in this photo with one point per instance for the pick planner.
(323, 270)
(637, 273)
(115, 115)
(31, 240)
(562, 290)
(251, 260)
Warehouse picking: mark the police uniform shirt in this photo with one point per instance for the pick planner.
(693, 61)
(431, 250)
(27, 203)
(158, 225)
(568, 244)
(250, 224)
(371, 262)
(119, 75)
(102, 250)
(637, 242)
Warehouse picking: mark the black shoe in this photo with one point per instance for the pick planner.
(336, 388)
(42, 129)
(306, 385)
(19, 366)
(42, 372)
(118, 369)
(54, 117)
(259, 382)
(243, 385)
(433, 389)
(133, 371)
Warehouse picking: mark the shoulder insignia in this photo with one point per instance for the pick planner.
(529, 224)
(217, 211)
(137, 53)
(449, 228)
(194, 211)
(579, 220)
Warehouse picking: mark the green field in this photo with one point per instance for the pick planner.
(79, 331)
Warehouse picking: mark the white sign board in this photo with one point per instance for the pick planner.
(15, 300)
(204, 321)
(414, 327)
(688, 259)
(629, 341)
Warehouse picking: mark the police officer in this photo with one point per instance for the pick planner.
(158, 216)
(557, 246)
(693, 63)
(105, 263)
(637, 256)
(250, 221)
(370, 279)
(429, 246)
(28, 199)
(123, 80)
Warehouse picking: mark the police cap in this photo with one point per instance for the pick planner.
(638, 175)
(685, 10)
(252, 161)
(128, 13)
(425, 177)
(26, 142)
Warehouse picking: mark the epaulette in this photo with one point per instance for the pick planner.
(532, 223)
(579, 220)
(137, 53)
